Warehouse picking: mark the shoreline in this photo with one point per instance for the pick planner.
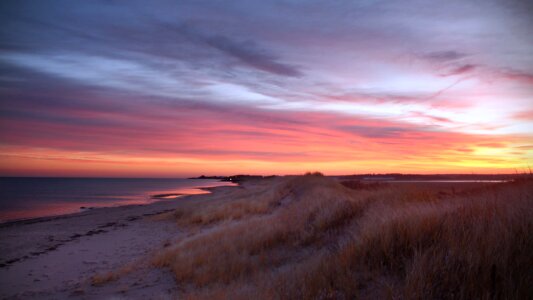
(109, 211)
(74, 208)
(295, 224)
(83, 212)
(34, 252)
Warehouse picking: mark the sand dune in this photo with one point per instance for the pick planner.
(297, 237)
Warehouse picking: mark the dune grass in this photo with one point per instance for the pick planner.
(110, 276)
(311, 237)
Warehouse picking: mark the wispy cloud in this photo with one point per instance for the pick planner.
(459, 70)
(444, 56)
(247, 84)
(248, 53)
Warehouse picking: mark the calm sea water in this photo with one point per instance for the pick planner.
(22, 198)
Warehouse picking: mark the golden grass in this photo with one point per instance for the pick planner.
(310, 237)
(110, 276)
(264, 196)
(100, 279)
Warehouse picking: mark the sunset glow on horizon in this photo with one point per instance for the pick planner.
(229, 87)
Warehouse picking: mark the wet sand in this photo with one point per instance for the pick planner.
(56, 257)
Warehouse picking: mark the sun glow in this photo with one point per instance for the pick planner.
(380, 92)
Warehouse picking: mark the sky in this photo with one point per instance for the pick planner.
(183, 88)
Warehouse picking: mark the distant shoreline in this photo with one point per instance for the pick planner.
(385, 178)
(75, 208)
(143, 251)
(390, 176)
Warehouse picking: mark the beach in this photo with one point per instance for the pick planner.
(56, 257)
(289, 237)
(35, 197)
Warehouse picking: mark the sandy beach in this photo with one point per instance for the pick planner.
(56, 257)
(292, 237)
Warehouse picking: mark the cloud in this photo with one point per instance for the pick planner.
(493, 145)
(460, 70)
(161, 44)
(524, 147)
(526, 115)
(249, 54)
(299, 82)
(464, 150)
(432, 118)
(444, 56)
(376, 131)
(521, 76)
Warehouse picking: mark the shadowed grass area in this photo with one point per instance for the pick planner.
(311, 237)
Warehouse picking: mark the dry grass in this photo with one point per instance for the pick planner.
(236, 249)
(360, 185)
(100, 279)
(310, 237)
(264, 196)
(110, 276)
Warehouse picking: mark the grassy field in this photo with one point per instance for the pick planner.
(312, 237)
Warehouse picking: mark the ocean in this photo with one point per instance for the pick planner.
(23, 198)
